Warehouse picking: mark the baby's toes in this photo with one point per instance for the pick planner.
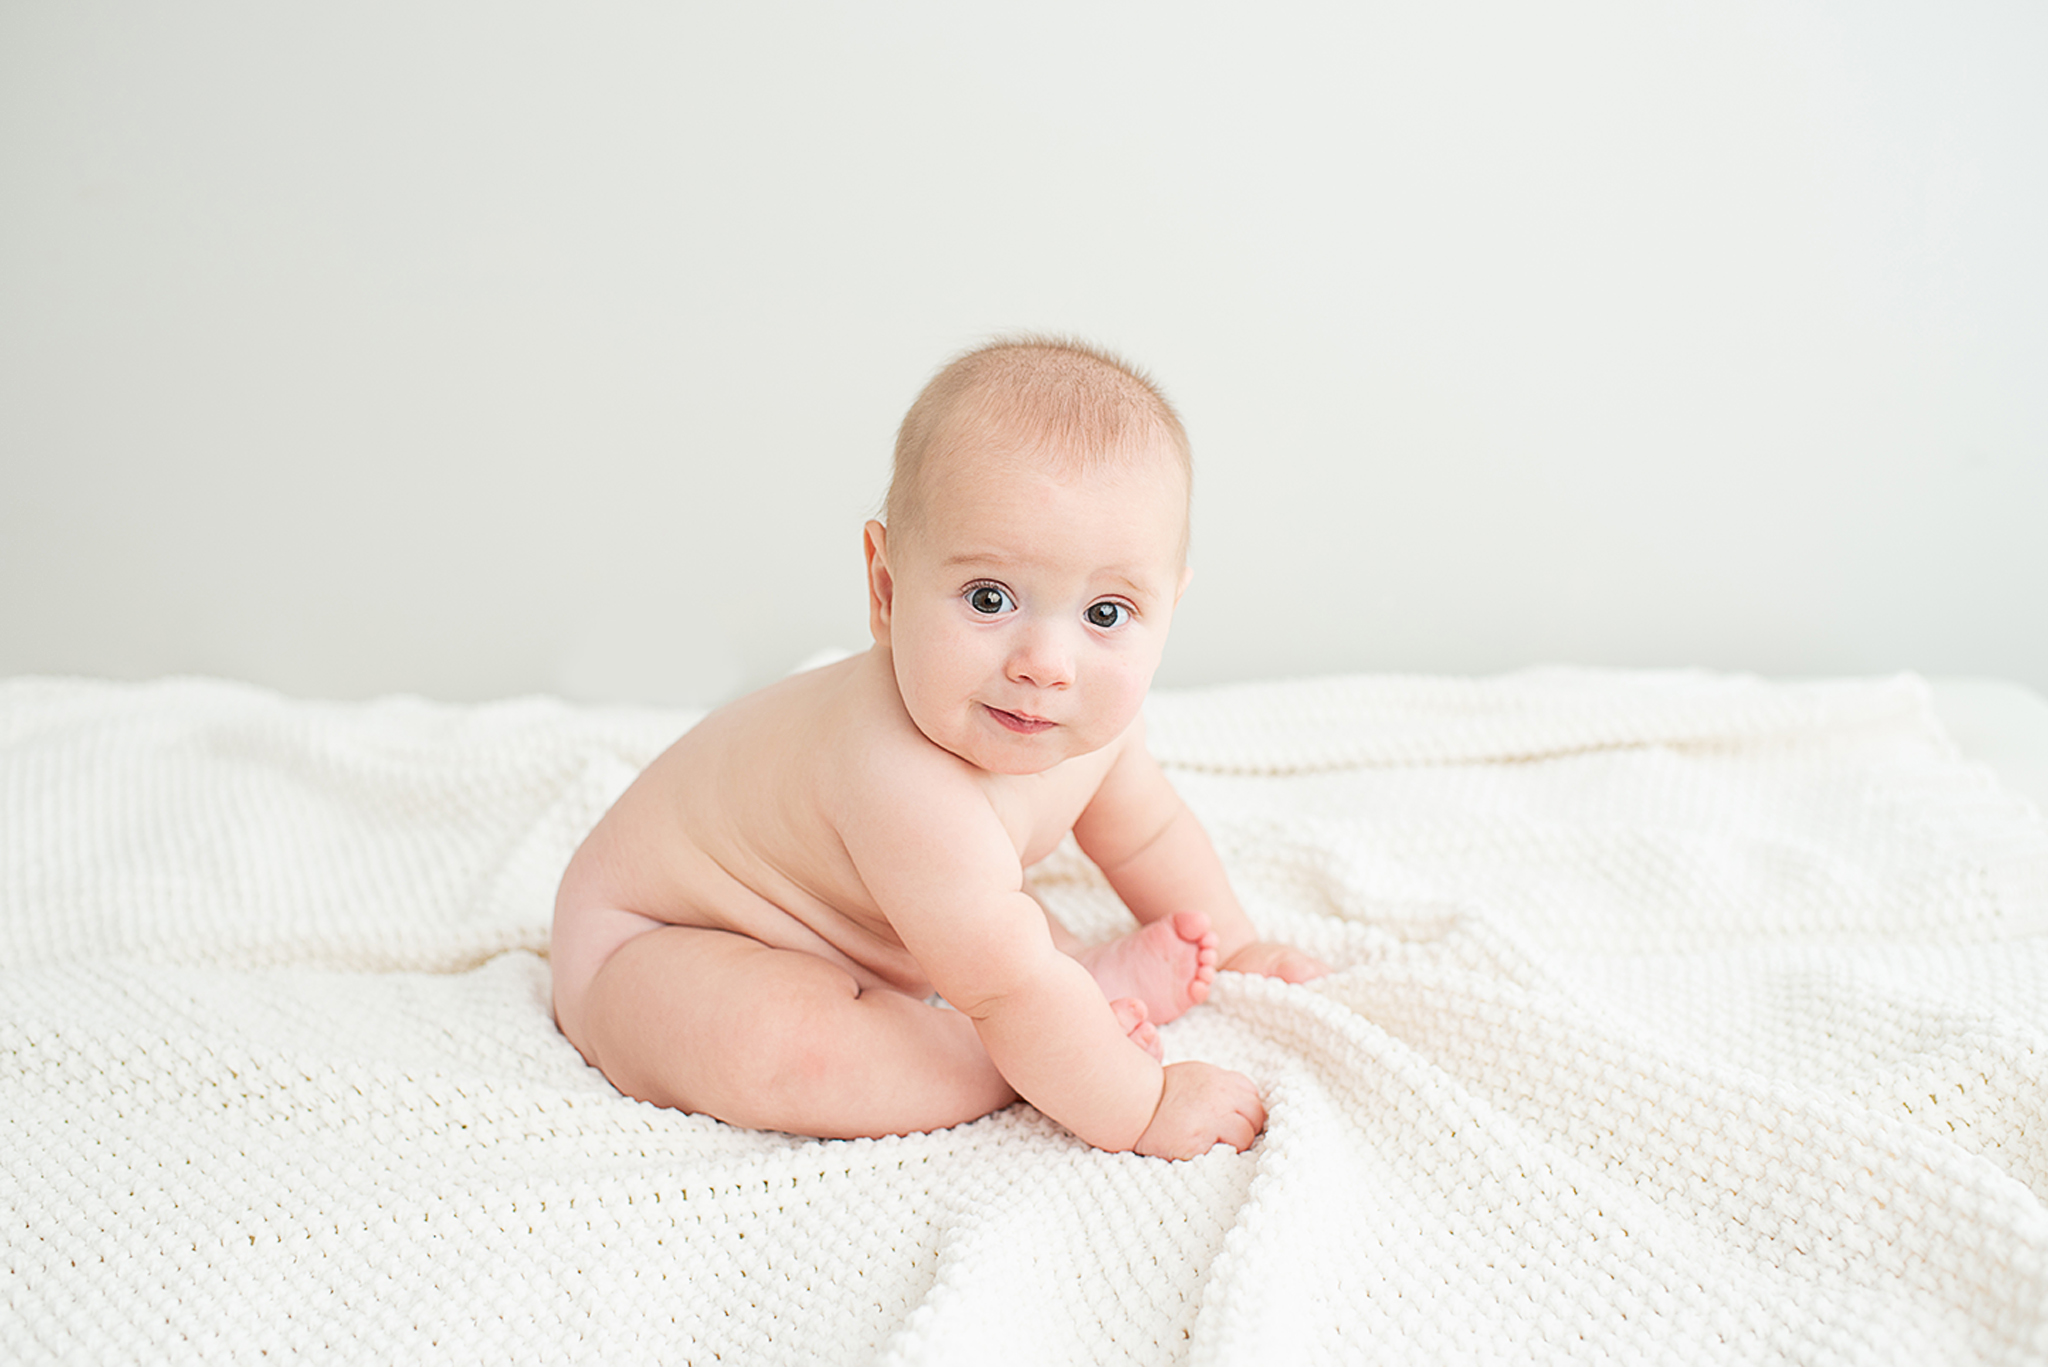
(1146, 1037)
(1136, 1019)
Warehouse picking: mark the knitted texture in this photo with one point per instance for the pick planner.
(1675, 1018)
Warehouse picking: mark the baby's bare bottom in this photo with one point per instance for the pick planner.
(716, 1023)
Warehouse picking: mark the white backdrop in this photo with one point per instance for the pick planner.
(474, 348)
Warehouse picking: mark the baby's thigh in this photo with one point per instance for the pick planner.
(692, 1017)
(719, 1024)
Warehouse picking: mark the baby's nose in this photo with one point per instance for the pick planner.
(1041, 659)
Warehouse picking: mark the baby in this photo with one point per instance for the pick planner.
(756, 929)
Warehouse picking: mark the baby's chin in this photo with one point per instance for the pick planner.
(1001, 752)
(1010, 761)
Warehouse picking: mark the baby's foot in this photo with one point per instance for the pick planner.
(1137, 1023)
(1168, 965)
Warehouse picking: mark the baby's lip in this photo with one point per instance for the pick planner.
(1022, 722)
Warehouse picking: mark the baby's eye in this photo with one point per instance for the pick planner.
(988, 599)
(1107, 615)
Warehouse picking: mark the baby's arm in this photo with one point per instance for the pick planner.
(943, 870)
(1044, 1022)
(1156, 855)
(1052, 1035)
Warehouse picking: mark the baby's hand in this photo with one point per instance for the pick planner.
(1203, 1106)
(1276, 961)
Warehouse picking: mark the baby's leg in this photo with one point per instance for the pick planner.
(722, 1025)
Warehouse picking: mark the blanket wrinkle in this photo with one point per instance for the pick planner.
(1676, 1017)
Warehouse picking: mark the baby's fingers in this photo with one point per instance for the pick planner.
(1277, 961)
(1240, 1129)
(1297, 967)
(1203, 1106)
(1236, 1128)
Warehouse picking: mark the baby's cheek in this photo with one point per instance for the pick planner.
(1128, 690)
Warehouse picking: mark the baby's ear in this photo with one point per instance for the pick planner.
(1187, 573)
(881, 585)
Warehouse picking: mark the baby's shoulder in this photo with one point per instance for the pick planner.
(887, 759)
(869, 749)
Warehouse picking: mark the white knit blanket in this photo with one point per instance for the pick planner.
(1677, 1018)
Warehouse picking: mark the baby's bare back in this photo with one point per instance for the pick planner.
(735, 827)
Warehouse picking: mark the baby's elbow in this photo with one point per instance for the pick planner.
(978, 998)
(987, 988)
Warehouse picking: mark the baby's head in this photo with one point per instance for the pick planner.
(1055, 403)
(1034, 551)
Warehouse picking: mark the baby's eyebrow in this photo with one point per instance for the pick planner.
(1136, 588)
(966, 558)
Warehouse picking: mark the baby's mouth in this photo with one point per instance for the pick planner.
(1020, 723)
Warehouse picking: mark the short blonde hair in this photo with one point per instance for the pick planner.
(1055, 397)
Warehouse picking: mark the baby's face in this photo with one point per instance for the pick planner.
(1026, 614)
